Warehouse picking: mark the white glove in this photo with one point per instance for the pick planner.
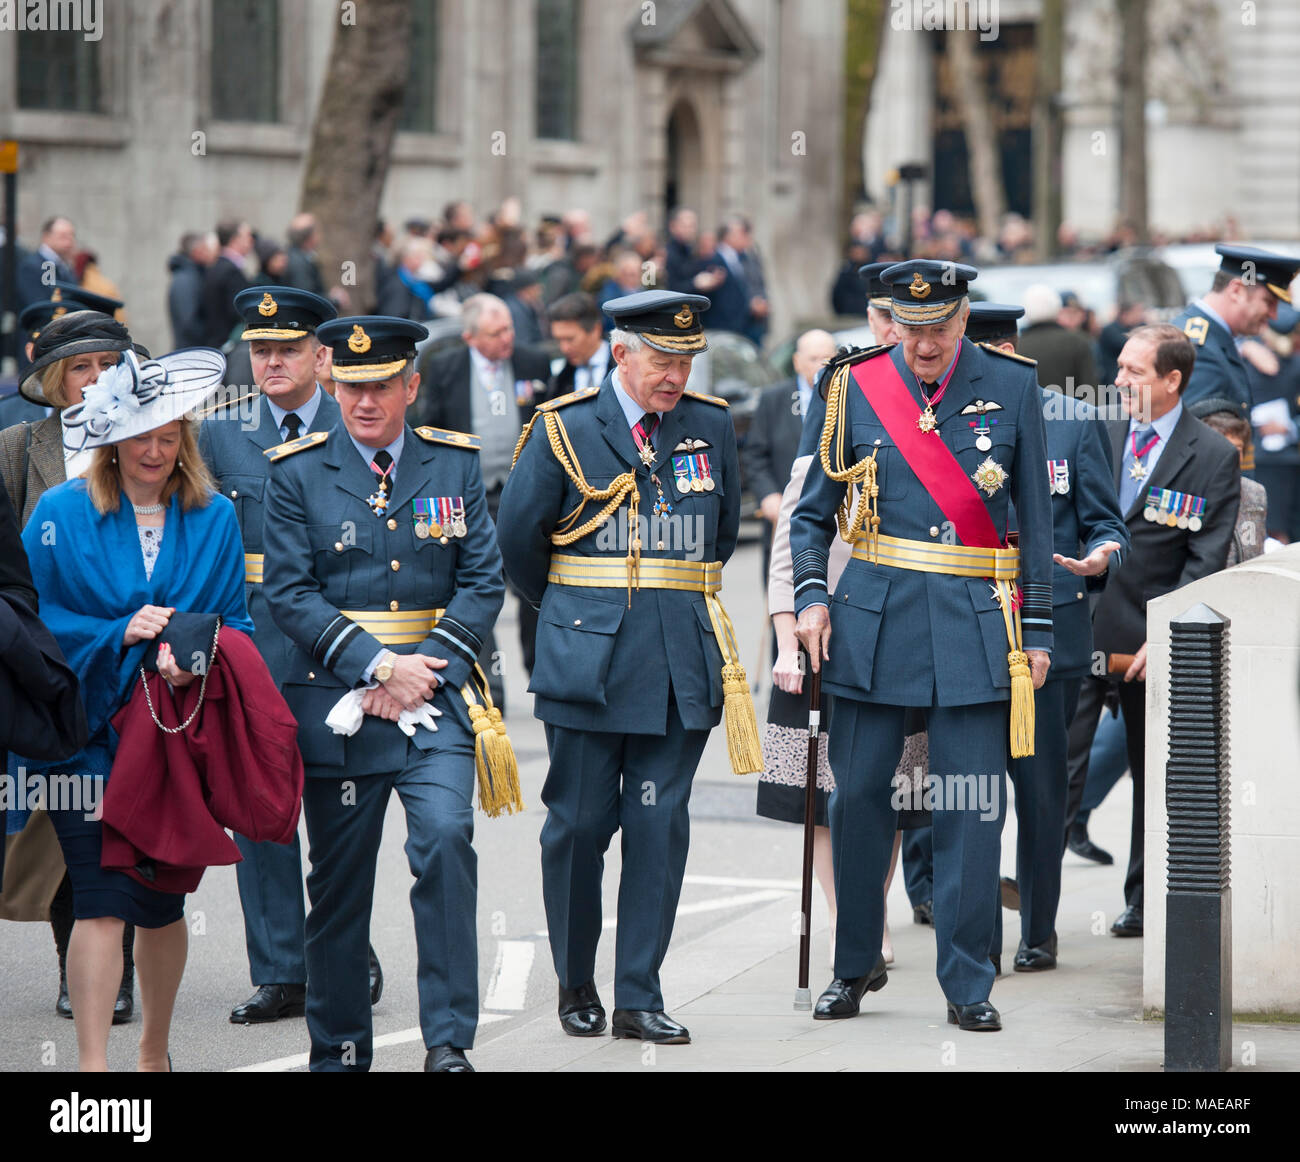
(347, 714)
(424, 716)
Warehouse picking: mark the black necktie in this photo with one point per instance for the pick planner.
(292, 426)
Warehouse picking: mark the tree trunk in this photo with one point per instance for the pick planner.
(1132, 116)
(1047, 129)
(864, 24)
(352, 140)
(981, 136)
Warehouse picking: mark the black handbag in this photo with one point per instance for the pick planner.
(193, 641)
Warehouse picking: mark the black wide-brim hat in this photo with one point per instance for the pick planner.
(76, 333)
(370, 348)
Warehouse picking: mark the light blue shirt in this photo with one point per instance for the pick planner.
(632, 410)
(592, 373)
(306, 413)
(805, 394)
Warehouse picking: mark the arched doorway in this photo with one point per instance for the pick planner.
(684, 173)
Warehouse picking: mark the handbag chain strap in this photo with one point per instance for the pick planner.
(203, 687)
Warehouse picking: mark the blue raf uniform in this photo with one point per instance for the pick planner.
(370, 551)
(922, 618)
(1085, 515)
(1219, 370)
(629, 675)
(234, 441)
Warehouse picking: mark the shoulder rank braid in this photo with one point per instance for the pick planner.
(850, 518)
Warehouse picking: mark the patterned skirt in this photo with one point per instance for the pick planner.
(785, 755)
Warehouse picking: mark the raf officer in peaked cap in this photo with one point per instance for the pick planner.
(1247, 288)
(935, 610)
(382, 570)
(288, 362)
(616, 520)
(1090, 539)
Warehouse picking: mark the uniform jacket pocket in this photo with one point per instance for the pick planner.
(993, 631)
(575, 643)
(856, 611)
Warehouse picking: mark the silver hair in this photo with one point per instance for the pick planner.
(630, 339)
(473, 308)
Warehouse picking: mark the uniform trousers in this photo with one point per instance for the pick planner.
(864, 749)
(1040, 783)
(598, 783)
(1132, 703)
(270, 892)
(917, 855)
(345, 820)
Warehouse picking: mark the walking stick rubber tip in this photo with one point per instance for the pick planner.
(803, 1000)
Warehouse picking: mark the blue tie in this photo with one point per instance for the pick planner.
(1128, 486)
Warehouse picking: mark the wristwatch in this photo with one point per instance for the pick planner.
(384, 670)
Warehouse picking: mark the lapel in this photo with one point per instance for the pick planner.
(354, 475)
(46, 452)
(1181, 446)
(1117, 430)
(964, 384)
(614, 425)
(266, 434)
(412, 470)
(327, 415)
(672, 427)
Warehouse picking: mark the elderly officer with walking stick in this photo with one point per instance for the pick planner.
(623, 505)
(934, 610)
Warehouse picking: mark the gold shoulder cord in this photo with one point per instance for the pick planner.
(863, 473)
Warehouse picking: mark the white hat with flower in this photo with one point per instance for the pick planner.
(136, 396)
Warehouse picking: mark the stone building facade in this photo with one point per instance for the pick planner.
(189, 111)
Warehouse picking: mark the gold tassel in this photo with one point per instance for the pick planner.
(1022, 705)
(743, 746)
(494, 760)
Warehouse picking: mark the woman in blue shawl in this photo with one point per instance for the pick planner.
(113, 555)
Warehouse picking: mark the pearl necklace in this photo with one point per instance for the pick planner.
(148, 509)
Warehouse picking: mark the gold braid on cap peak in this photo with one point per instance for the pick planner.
(862, 474)
(620, 488)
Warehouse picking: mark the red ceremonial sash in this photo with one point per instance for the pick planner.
(926, 453)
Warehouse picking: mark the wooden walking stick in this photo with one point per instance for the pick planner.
(802, 995)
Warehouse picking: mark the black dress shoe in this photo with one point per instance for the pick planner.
(1010, 894)
(924, 913)
(843, 996)
(980, 1017)
(581, 1013)
(447, 1059)
(1129, 923)
(124, 1006)
(647, 1025)
(1078, 842)
(63, 1006)
(376, 978)
(270, 1003)
(1036, 959)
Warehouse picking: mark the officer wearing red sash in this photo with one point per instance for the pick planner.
(934, 610)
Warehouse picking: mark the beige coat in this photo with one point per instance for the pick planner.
(780, 570)
(31, 461)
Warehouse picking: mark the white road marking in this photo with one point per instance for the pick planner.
(401, 1037)
(509, 984)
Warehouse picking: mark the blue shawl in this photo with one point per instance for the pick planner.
(89, 573)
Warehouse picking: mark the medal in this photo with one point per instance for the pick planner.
(705, 478)
(422, 529)
(1149, 514)
(926, 422)
(990, 476)
(983, 443)
(708, 484)
(1137, 471)
(1194, 519)
(642, 438)
(697, 485)
(421, 513)
(648, 454)
(458, 528)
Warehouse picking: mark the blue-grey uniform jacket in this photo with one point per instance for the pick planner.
(1219, 369)
(1085, 514)
(326, 551)
(602, 665)
(909, 638)
(234, 444)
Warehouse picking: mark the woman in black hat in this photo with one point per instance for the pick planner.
(67, 355)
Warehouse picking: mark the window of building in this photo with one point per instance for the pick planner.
(420, 112)
(245, 60)
(557, 69)
(59, 71)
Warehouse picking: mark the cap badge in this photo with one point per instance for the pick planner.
(358, 341)
(56, 295)
(268, 306)
(919, 287)
(685, 317)
(59, 312)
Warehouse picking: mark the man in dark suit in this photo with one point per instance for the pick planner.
(490, 388)
(49, 263)
(773, 437)
(1244, 296)
(302, 270)
(1179, 485)
(726, 281)
(223, 280)
(1064, 357)
(576, 326)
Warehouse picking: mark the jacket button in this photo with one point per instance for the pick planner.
(395, 565)
(1079, 596)
(577, 621)
(393, 606)
(934, 530)
(338, 546)
(234, 492)
(311, 675)
(392, 524)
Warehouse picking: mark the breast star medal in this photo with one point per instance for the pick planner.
(990, 476)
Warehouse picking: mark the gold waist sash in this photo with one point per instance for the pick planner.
(405, 627)
(927, 557)
(253, 564)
